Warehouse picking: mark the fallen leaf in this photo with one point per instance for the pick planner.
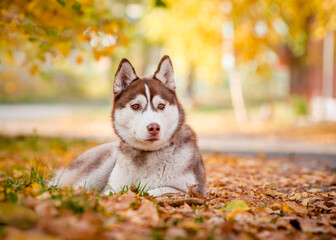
(180, 202)
(192, 192)
(238, 204)
(240, 215)
(292, 207)
(17, 216)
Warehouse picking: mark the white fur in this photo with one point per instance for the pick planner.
(132, 125)
(139, 99)
(96, 178)
(163, 172)
(147, 93)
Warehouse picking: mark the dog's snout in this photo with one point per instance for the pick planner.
(153, 129)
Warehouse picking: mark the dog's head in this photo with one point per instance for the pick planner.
(146, 112)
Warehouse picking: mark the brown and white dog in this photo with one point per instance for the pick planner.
(156, 147)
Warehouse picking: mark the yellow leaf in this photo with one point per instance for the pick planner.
(34, 189)
(110, 28)
(36, 186)
(239, 214)
(2, 196)
(233, 213)
(239, 204)
(190, 225)
(63, 47)
(292, 207)
(286, 208)
(103, 52)
(34, 69)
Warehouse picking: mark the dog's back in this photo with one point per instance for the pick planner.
(91, 169)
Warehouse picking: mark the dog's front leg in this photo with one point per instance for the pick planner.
(164, 190)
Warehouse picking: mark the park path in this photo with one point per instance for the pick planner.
(92, 122)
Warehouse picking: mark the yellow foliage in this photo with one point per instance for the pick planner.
(63, 47)
(286, 208)
(235, 208)
(34, 69)
(79, 59)
(110, 28)
(231, 215)
(290, 23)
(191, 33)
(98, 53)
(37, 26)
(36, 186)
(238, 204)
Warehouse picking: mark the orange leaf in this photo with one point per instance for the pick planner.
(79, 59)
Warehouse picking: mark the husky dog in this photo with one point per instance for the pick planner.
(156, 149)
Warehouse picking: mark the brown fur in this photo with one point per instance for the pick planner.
(124, 78)
(126, 88)
(76, 164)
(86, 165)
(183, 134)
(138, 157)
(187, 135)
(156, 87)
(99, 161)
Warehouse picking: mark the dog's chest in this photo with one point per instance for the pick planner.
(153, 169)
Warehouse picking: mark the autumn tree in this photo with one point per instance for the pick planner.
(194, 31)
(42, 29)
(191, 33)
(286, 28)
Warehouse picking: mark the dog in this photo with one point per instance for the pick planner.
(156, 149)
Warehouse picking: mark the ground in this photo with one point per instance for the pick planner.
(247, 198)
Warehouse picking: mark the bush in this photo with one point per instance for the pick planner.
(300, 105)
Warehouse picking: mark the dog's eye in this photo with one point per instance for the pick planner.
(161, 106)
(135, 106)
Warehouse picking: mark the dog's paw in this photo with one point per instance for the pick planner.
(107, 191)
(162, 191)
(155, 192)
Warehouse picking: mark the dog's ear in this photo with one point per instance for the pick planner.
(165, 72)
(124, 76)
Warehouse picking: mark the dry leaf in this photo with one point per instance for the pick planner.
(192, 192)
(180, 202)
(292, 207)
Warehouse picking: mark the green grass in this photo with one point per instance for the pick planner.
(139, 189)
(27, 163)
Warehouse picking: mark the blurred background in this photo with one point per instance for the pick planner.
(254, 71)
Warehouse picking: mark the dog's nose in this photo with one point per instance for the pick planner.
(153, 129)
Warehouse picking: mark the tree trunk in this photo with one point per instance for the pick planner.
(237, 97)
(299, 79)
(189, 89)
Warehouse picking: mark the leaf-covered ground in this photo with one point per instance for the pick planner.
(247, 198)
